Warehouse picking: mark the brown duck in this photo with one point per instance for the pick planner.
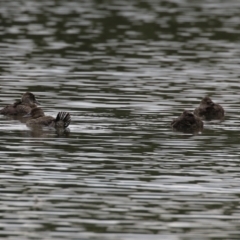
(39, 119)
(209, 110)
(187, 122)
(21, 107)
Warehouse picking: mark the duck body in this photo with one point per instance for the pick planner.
(208, 110)
(21, 107)
(187, 122)
(39, 119)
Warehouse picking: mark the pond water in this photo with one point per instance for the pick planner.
(123, 70)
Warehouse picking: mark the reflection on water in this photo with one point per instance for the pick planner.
(123, 70)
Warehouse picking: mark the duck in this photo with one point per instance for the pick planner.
(21, 107)
(187, 122)
(39, 119)
(208, 110)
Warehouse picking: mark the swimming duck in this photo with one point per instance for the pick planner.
(21, 107)
(209, 110)
(39, 119)
(187, 122)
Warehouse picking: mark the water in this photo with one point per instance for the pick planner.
(124, 70)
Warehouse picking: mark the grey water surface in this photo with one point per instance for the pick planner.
(123, 70)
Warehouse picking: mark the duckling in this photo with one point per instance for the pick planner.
(208, 110)
(187, 122)
(39, 119)
(21, 107)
